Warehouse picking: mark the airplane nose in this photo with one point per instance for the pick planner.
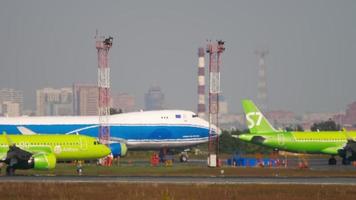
(216, 130)
(206, 124)
(104, 151)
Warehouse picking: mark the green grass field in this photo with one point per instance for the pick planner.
(186, 170)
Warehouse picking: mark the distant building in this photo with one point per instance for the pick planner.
(9, 96)
(350, 115)
(281, 119)
(52, 102)
(347, 119)
(85, 99)
(154, 99)
(123, 102)
(10, 109)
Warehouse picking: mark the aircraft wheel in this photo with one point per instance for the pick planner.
(10, 171)
(183, 158)
(346, 161)
(332, 161)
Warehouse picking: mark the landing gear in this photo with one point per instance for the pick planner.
(346, 161)
(332, 161)
(166, 155)
(183, 157)
(10, 171)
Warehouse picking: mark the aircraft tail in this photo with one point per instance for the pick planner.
(256, 122)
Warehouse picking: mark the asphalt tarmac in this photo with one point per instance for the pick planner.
(184, 180)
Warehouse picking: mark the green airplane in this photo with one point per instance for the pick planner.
(341, 143)
(43, 151)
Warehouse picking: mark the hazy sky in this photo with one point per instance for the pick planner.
(312, 43)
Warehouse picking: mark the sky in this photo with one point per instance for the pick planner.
(311, 65)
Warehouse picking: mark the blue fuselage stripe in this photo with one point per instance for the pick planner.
(127, 132)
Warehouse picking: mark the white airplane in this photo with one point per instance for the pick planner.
(135, 130)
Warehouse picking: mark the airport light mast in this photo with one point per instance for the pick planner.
(214, 49)
(103, 46)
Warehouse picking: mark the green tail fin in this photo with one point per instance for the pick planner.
(256, 122)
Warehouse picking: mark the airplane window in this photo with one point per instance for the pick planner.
(195, 115)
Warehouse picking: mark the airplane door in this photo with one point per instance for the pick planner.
(185, 117)
(280, 139)
(83, 143)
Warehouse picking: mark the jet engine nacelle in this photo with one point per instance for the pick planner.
(43, 161)
(17, 158)
(118, 149)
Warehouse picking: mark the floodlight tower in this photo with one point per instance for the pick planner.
(262, 94)
(201, 84)
(214, 49)
(103, 46)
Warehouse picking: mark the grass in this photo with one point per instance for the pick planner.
(188, 170)
(53, 190)
(20, 191)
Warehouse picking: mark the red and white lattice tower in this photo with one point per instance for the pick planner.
(201, 84)
(103, 46)
(214, 49)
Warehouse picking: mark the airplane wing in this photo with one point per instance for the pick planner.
(346, 150)
(25, 131)
(350, 147)
(351, 143)
(333, 150)
(116, 139)
(2, 156)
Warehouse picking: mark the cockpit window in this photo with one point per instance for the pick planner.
(195, 115)
(96, 142)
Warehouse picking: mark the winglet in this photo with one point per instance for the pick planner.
(7, 138)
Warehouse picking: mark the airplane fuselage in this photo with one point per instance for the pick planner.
(327, 142)
(139, 130)
(64, 147)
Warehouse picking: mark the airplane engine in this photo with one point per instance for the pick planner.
(348, 154)
(17, 158)
(118, 149)
(43, 161)
(351, 150)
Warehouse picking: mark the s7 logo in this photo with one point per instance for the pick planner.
(251, 120)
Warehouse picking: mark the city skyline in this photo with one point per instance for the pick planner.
(82, 100)
(310, 65)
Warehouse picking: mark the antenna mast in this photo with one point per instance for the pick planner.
(214, 49)
(103, 46)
